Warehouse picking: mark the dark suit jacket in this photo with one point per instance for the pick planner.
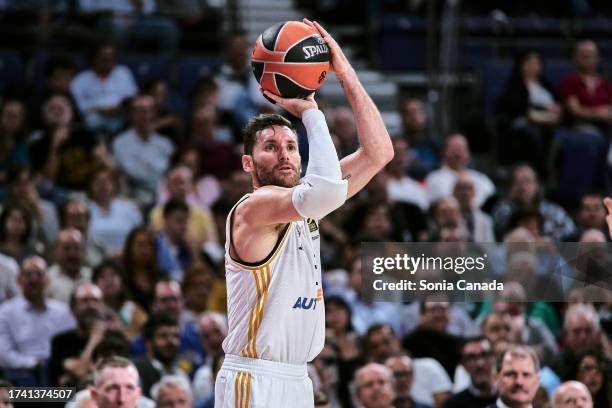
(149, 375)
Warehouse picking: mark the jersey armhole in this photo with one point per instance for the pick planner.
(279, 240)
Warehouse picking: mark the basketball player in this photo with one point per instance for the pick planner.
(275, 301)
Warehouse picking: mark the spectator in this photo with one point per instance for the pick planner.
(166, 122)
(581, 332)
(497, 328)
(380, 343)
(168, 300)
(478, 359)
(59, 73)
(162, 335)
(526, 329)
(344, 128)
(22, 191)
(207, 189)
(586, 94)
(572, 394)
(112, 218)
(213, 143)
(141, 154)
(69, 270)
(400, 187)
(8, 278)
(116, 383)
(238, 90)
(140, 264)
(591, 215)
(403, 373)
(75, 214)
(64, 153)
(374, 386)
(365, 314)
(15, 232)
(526, 195)
(213, 330)
(172, 391)
(455, 159)
(517, 377)
(198, 285)
(446, 212)
(423, 151)
(109, 277)
(528, 111)
(13, 150)
(174, 250)
(345, 344)
(479, 224)
(595, 373)
(28, 322)
(87, 306)
(100, 91)
(431, 338)
(179, 184)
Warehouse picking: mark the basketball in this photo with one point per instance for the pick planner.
(290, 59)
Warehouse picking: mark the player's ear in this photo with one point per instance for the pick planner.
(247, 163)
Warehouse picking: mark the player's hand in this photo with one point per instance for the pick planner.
(294, 106)
(608, 204)
(339, 63)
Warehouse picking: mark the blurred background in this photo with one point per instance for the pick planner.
(120, 142)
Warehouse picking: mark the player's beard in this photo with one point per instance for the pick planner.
(268, 177)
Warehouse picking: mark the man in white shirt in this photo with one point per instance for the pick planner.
(99, 91)
(374, 386)
(69, 270)
(8, 275)
(400, 187)
(140, 153)
(455, 159)
(517, 377)
(28, 322)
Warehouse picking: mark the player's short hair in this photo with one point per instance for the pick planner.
(112, 362)
(518, 351)
(259, 123)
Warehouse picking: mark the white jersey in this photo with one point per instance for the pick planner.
(275, 307)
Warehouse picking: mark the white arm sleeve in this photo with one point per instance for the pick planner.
(322, 157)
(322, 190)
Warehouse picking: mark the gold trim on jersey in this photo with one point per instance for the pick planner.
(271, 257)
(262, 279)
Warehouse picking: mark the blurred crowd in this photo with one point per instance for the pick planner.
(112, 233)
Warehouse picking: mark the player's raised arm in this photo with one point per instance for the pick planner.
(375, 148)
(273, 161)
(608, 204)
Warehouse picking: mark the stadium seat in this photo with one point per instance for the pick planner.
(555, 71)
(147, 67)
(583, 164)
(12, 70)
(494, 78)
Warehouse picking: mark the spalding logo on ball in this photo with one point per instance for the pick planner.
(290, 59)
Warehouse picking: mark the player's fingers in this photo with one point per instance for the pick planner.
(608, 203)
(277, 99)
(311, 97)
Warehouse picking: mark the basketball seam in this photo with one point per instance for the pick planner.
(283, 75)
(289, 63)
(278, 35)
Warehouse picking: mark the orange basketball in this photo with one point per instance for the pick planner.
(290, 59)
